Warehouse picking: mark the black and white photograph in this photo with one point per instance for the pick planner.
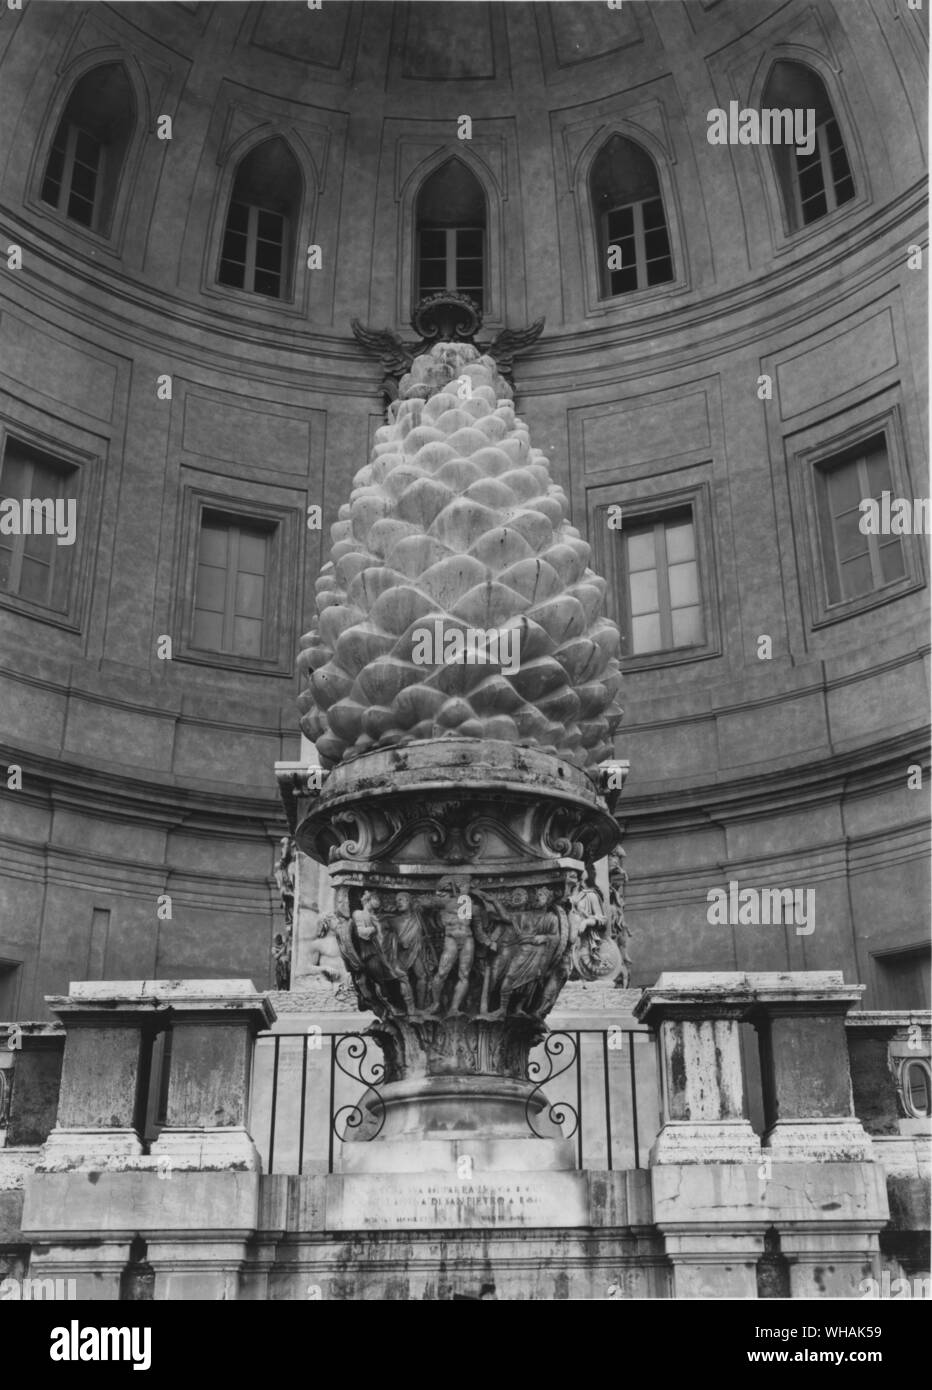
(464, 668)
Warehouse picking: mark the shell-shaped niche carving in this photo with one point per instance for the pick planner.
(458, 599)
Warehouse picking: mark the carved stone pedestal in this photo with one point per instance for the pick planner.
(454, 860)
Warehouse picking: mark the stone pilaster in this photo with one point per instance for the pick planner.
(109, 1031)
(696, 1018)
(805, 1068)
(213, 1028)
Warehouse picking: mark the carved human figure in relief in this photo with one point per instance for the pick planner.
(410, 949)
(525, 960)
(596, 956)
(562, 967)
(375, 955)
(454, 914)
(621, 932)
(323, 953)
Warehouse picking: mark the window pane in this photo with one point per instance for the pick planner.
(433, 242)
(211, 588)
(433, 275)
(844, 488)
(878, 473)
(624, 281)
(247, 637)
(6, 562)
(86, 149)
(469, 243)
(815, 209)
(40, 547)
(656, 243)
(83, 182)
(640, 550)
(681, 543)
(844, 191)
(234, 247)
(238, 218)
(267, 283)
(270, 226)
(642, 588)
(208, 630)
(232, 273)
(80, 210)
(268, 256)
(658, 272)
(892, 563)
(214, 541)
(684, 584)
(687, 626)
(250, 595)
(848, 539)
(856, 577)
(253, 550)
(621, 223)
(811, 182)
(652, 212)
(645, 633)
(34, 580)
(15, 477)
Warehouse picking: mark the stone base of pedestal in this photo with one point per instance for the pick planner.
(818, 1141)
(66, 1150)
(479, 1157)
(706, 1141)
(207, 1150)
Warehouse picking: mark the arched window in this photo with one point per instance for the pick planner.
(814, 184)
(82, 173)
(633, 242)
(261, 223)
(450, 216)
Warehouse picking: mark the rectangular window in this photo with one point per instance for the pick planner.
(33, 565)
(451, 258)
(903, 978)
(253, 250)
(73, 174)
(823, 178)
(637, 250)
(855, 564)
(661, 584)
(232, 586)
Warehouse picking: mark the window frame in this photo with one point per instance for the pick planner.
(786, 237)
(450, 261)
(65, 189)
(640, 248)
(109, 239)
(279, 607)
(285, 271)
(658, 525)
(805, 497)
(87, 505)
(235, 526)
(828, 177)
(610, 560)
(299, 227)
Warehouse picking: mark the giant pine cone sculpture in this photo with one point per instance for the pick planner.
(455, 519)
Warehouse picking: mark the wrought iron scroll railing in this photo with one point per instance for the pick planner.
(312, 1092)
